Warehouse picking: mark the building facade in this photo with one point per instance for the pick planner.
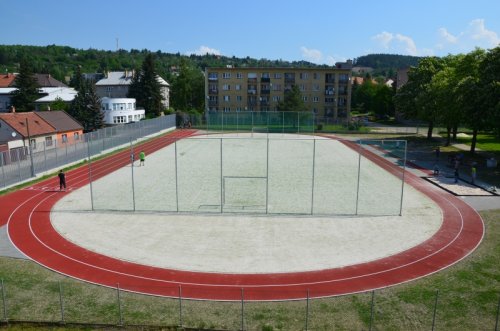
(325, 91)
(115, 84)
(120, 111)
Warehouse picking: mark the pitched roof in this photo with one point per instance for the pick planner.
(43, 80)
(46, 80)
(66, 94)
(60, 120)
(7, 79)
(123, 78)
(37, 126)
(116, 78)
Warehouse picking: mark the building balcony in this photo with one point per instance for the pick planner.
(265, 80)
(213, 91)
(265, 91)
(213, 103)
(252, 91)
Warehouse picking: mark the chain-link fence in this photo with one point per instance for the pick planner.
(19, 164)
(253, 174)
(68, 302)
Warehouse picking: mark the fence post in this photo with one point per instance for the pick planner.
(372, 310)
(312, 184)
(45, 155)
(242, 311)
(4, 301)
(221, 178)
(19, 164)
(132, 172)
(3, 170)
(267, 177)
(90, 177)
(120, 322)
(435, 309)
(359, 173)
(403, 183)
(307, 311)
(498, 314)
(180, 307)
(61, 301)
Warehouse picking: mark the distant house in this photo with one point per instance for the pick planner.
(68, 130)
(52, 94)
(120, 111)
(41, 129)
(50, 90)
(115, 84)
(402, 77)
(18, 130)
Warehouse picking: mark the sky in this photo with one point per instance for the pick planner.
(319, 31)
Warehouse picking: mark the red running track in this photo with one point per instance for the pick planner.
(27, 213)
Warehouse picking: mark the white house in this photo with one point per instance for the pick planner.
(115, 84)
(120, 110)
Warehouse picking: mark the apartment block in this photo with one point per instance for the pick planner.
(325, 91)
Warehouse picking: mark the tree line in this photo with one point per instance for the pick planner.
(454, 90)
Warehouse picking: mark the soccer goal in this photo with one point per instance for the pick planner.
(244, 194)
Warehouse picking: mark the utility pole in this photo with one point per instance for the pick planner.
(30, 149)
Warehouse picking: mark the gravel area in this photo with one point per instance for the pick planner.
(247, 243)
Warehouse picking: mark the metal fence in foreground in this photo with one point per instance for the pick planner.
(19, 164)
(69, 302)
(253, 174)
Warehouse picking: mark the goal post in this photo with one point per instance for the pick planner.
(244, 194)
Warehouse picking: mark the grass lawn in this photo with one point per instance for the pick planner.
(468, 298)
(485, 142)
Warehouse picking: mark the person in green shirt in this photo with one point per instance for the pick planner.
(142, 158)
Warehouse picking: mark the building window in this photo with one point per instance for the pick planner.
(227, 98)
(48, 141)
(304, 75)
(315, 99)
(276, 98)
(226, 109)
(276, 87)
(212, 76)
(130, 118)
(119, 119)
(265, 75)
(237, 87)
(315, 87)
(316, 75)
(64, 138)
(277, 75)
(302, 88)
(239, 75)
(226, 87)
(239, 98)
(76, 136)
(304, 98)
(33, 143)
(226, 75)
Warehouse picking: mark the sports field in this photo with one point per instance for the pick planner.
(216, 254)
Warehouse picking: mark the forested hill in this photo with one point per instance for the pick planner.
(386, 61)
(61, 61)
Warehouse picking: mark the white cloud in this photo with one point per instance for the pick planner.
(384, 39)
(396, 43)
(474, 35)
(478, 31)
(311, 55)
(203, 50)
(316, 56)
(446, 36)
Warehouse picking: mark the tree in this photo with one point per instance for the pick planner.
(188, 88)
(292, 101)
(489, 70)
(469, 99)
(27, 88)
(86, 108)
(415, 98)
(146, 89)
